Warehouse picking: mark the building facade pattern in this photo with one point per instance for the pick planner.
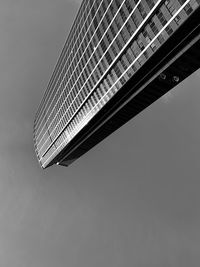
(109, 42)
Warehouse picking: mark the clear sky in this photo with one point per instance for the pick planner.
(133, 200)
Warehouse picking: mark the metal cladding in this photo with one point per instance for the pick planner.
(113, 46)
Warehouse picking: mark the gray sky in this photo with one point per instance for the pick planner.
(131, 201)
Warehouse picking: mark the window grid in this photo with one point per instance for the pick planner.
(38, 114)
(140, 50)
(68, 47)
(56, 129)
(88, 54)
(67, 58)
(141, 61)
(119, 42)
(123, 80)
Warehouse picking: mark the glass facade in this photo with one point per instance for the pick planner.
(109, 42)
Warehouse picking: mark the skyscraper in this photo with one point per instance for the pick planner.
(119, 57)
